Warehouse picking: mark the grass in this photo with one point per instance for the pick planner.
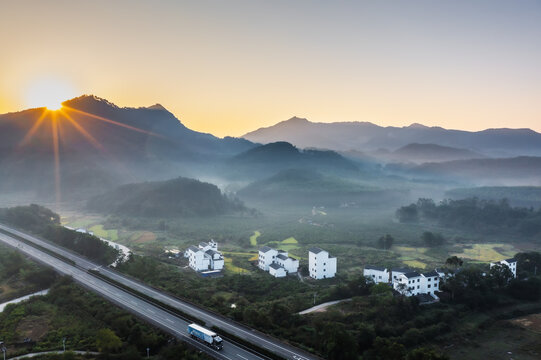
(486, 252)
(229, 266)
(415, 264)
(290, 240)
(253, 256)
(99, 231)
(253, 238)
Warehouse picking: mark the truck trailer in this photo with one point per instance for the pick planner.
(205, 336)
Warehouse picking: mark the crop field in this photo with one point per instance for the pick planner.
(487, 252)
(349, 234)
(99, 231)
(253, 238)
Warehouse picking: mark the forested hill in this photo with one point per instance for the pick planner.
(472, 214)
(177, 197)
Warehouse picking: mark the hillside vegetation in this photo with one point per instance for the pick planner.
(45, 223)
(516, 195)
(485, 216)
(177, 197)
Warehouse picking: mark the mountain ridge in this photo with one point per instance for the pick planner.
(368, 137)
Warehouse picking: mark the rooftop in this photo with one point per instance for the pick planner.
(431, 274)
(315, 250)
(512, 260)
(212, 252)
(412, 274)
(193, 248)
(265, 249)
(282, 257)
(275, 266)
(402, 270)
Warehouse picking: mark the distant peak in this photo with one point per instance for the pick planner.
(88, 99)
(417, 126)
(157, 107)
(298, 120)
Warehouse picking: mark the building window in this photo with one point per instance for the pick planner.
(417, 286)
(429, 286)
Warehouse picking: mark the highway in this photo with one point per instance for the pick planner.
(146, 310)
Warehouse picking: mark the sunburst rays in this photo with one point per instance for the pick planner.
(58, 120)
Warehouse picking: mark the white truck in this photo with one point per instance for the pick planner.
(205, 336)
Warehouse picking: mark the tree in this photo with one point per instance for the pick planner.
(381, 289)
(107, 341)
(385, 242)
(454, 261)
(529, 262)
(500, 275)
(386, 349)
(431, 240)
(425, 354)
(529, 290)
(408, 213)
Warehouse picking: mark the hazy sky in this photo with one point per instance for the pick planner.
(229, 67)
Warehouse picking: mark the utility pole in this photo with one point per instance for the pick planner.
(64, 343)
(148, 353)
(315, 297)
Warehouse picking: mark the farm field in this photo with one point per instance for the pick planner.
(349, 234)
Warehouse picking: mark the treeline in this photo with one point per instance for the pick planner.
(45, 223)
(177, 197)
(88, 323)
(22, 276)
(487, 216)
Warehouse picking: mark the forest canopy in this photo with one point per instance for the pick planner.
(486, 216)
(177, 197)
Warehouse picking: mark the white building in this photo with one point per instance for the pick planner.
(277, 262)
(510, 263)
(431, 282)
(395, 273)
(408, 283)
(277, 270)
(376, 273)
(321, 266)
(205, 257)
(412, 283)
(267, 256)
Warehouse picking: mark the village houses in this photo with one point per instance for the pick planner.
(205, 257)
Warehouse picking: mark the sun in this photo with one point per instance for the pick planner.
(49, 92)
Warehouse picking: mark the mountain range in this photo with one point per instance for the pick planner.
(91, 146)
(369, 138)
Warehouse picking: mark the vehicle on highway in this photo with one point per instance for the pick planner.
(205, 336)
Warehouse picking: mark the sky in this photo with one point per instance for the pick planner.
(230, 67)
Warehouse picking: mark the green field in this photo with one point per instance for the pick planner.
(253, 238)
(99, 231)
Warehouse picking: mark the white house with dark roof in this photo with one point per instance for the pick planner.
(396, 272)
(431, 282)
(277, 270)
(409, 283)
(510, 263)
(321, 266)
(277, 262)
(378, 274)
(267, 256)
(406, 281)
(205, 257)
